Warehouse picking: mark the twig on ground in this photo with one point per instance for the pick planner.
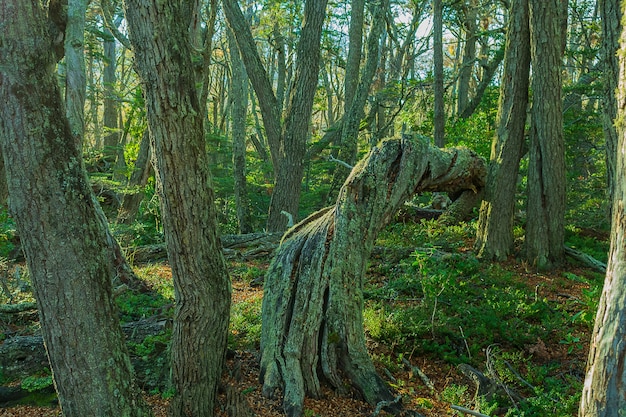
(467, 411)
(383, 404)
(418, 371)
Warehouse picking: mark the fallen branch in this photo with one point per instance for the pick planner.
(467, 411)
(587, 260)
(415, 370)
(17, 308)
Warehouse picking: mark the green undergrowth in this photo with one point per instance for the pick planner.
(440, 301)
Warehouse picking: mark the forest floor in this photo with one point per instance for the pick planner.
(398, 363)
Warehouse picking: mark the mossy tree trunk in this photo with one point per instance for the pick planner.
(313, 302)
(61, 228)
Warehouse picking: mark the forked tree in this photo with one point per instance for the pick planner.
(312, 307)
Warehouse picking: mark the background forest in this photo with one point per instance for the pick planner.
(492, 314)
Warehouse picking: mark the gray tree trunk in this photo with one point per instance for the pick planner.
(287, 144)
(111, 129)
(160, 38)
(545, 225)
(611, 15)
(470, 27)
(604, 392)
(313, 300)
(494, 237)
(129, 208)
(239, 99)
(439, 117)
(355, 110)
(62, 234)
(75, 77)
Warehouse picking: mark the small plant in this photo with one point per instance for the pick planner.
(36, 383)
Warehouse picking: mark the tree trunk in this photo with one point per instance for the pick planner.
(545, 228)
(138, 179)
(75, 77)
(313, 302)
(466, 71)
(290, 170)
(611, 29)
(355, 110)
(287, 144)
(111, 131)
(160, 38)
(439, 117)
(54, 208)
(494, 237)
(239, 99)
(604, 392)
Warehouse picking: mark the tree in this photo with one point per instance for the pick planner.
(239, 98)
(357, 91)
(611, 29)
(287, 141)
(494, 237)
(438, 90)
(75, 79)
(159, 34)
(312, 307)
(545, 228)
(603, 392)
(63, 236)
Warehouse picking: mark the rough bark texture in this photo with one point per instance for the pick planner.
(494, 237)
(239, 99)
(159, 33)
(312, 306)
(438, 90)
(604, 391)
(287, 144)
(54, 208)
(290, 170)
(355, 108)
(611, 15)
(75, 78)
(138, 179)
(111, 131)
(470, 29)
(545, 226)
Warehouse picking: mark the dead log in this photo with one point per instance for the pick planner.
(23, 356)
(585, 259)
(246, 246)
(313, 302)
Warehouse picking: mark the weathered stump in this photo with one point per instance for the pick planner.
(313, 302)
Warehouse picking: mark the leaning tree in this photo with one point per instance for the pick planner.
(313, 301)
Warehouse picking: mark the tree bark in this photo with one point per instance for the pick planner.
(313, 302)
(111, 131)
(494, 237)
(239, 99)
(160, 38)
(54, 208)
(545, 225)
(75, 78)
(604, 391)
(355, 110)
(138, 179)
(611, 29)
(470, 28)
(439, 116)
(287, 144)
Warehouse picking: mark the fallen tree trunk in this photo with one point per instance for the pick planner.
(313, 301)
(23, 356)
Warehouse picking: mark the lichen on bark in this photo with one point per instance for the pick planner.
(313, 301)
